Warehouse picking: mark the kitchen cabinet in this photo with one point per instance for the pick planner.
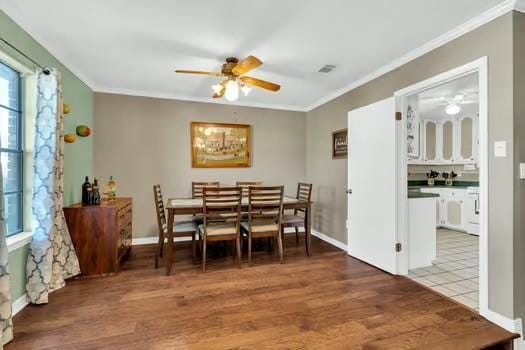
(452, 140)
(452, 208)
(430, 140)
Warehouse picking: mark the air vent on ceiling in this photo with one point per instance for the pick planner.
(327, 68)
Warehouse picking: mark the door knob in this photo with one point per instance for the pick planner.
(349, 191)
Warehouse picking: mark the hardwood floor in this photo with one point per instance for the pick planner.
(327, 301)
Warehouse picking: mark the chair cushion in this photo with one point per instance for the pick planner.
(260, 227)
(219, 229)
(293, 219)
(182, 227)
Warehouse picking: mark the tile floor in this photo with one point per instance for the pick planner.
(455, 272)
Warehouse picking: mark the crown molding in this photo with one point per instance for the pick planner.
(520, 6)
(169, 96)
(455, 33)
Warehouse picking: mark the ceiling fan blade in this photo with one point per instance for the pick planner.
(246, 65)
(213, 74)
(260, 83)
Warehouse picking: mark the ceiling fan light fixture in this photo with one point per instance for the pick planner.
(232, 91)
(217, 88)
(452, 109)
(245, 89)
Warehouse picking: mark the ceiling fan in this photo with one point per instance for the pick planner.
(453, 104)
(234, 72)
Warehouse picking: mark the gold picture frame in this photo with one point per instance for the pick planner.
(220, 145)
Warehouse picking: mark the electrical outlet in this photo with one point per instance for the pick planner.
(522, 171)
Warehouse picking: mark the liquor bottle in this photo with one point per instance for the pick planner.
(95, 200)
(90, 195)
(111, 190)
(86, 187)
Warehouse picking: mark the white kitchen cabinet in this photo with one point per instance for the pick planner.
(452, 140)
(451, 207)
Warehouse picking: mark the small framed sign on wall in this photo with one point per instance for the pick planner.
(340, 144)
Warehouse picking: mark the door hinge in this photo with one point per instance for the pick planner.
(399, 115)
(398, 247)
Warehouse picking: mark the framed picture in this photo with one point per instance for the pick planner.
(340, 144)
(218, 145)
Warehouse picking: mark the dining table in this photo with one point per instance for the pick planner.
(194, 206)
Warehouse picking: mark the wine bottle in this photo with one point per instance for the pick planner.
(96, 193)
(86, 186)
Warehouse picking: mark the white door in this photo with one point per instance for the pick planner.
(372, 179)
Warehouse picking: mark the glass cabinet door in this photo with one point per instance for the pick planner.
(448, 140)
(466, 151)
(430, 140)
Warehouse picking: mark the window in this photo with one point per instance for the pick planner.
(11, 147)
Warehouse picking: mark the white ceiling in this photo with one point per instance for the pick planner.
(133, 46)
(432, 102)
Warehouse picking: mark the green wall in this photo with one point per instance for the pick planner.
(78, 156)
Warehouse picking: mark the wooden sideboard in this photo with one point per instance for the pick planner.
(101, 235)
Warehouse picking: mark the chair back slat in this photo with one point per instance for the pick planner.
(304, 193)
(245, 186)
(265, 204)
(198, 187)
(222, 204)
(159, 207)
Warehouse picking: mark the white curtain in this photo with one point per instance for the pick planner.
(52, 258)
(5, 285)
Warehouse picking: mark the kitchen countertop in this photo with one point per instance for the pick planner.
(417, 194)
(439, 186)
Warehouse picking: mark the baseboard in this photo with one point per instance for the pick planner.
(154, 240)
(514, 326)
(19, 304)
(327, 239)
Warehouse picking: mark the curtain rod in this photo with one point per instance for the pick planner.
(45, 70)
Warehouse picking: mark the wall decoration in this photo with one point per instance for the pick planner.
(218, 145)
(66, 108)
(83, 131)
(340, 144)
(412, 133)
(70, 138)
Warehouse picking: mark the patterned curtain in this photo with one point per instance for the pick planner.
(52, 258)
(5, 293)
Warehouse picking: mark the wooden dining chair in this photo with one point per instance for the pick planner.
(197, 188)
(298, 218)
(180, 229)
(265, 208)
(197, 191)
(218, 203)
(245, 186)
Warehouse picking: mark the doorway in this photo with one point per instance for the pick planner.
(443, 217)
(379, 156)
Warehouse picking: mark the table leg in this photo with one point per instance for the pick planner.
(308, 227)
(169, 255)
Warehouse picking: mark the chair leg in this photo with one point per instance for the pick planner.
(161, 247)
(306, 243)
(280, 243)
(239, 251)
(249, 249)
(193, 248)
(204, 255)
(296, 235)
(158, 252)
